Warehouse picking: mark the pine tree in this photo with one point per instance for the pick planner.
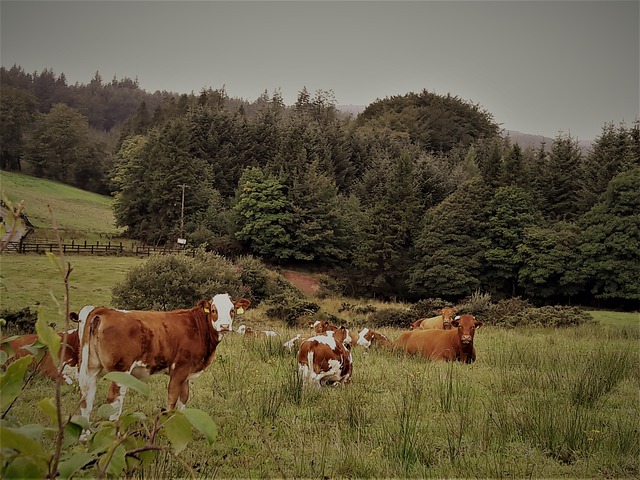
(450, 254)
(264, 215)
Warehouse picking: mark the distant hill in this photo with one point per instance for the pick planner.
(526, 140)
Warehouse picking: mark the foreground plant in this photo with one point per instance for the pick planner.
(69, 446)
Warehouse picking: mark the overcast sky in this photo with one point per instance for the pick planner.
(539, 67)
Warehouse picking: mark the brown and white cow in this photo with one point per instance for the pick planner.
(454, 344)
(250, 332)
(368, 338)
(442, 321)
(325, 360)
(69, 373)
(321, 326)
(180, 343)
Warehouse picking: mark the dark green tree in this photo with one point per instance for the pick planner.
(390, 220)
(264, 216)
(614, 151)
(563, 178)
(63, 145)
(17, 115)
(548, 257)
(509, 213)
(610, 241)
(449, 258)
(318, 231)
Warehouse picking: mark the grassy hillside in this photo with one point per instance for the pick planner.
(78, 214)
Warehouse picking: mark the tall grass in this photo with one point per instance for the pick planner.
(538, 403)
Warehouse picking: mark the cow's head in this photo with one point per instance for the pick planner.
(320, 326)
(224, 310)
(364, 337)
(466, 325)
(447, 315)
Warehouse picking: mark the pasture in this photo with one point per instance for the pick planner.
(78, 214)
(538, 403)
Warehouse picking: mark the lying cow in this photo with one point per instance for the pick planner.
(368, 338)
(68, 373)
(325, 360)
(250, 332)
(180, 343)
(454, 344)
(442, 321)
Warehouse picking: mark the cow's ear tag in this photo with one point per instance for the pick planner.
(240, 311)
(206, 310)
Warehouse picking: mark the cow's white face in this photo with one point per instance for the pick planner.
(362, 340)
(224, 312)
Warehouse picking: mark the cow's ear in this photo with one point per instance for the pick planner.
(478, 324)
(456, 322)
(240, 305)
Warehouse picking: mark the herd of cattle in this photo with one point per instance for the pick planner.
(182, 344)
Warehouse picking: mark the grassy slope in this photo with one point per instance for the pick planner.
(78, 214)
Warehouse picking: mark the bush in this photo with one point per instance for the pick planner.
(478, 304)
(329, 286)
(428, 307)
(391, 317)
(260, 282)
(18, 322)
(169, 282)
(290, 307)
(497, 312)
(549, 316)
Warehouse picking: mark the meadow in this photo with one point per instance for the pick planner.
(538, 403)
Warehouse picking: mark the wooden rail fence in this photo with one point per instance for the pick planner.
(85, 248)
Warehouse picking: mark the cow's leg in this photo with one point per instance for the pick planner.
(88, 381)
(184, 396)
(177, 388)
(115, 397)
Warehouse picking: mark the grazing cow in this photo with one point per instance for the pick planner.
(45, 365)
(180, 343)
(325, 360)
(454, 344)
(250, 332)
(368, 338)
(442, 321)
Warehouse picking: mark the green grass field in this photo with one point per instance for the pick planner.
(78, 214)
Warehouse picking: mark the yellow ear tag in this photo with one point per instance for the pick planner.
(206, 310)
(240, 311)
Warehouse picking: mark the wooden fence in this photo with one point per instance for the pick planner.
(84, 248)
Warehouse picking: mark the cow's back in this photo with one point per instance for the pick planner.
(432, 323)
(150, 340)
(433, 344)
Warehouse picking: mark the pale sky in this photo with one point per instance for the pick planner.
(540, 67)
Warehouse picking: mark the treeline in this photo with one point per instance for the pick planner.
(417, 197)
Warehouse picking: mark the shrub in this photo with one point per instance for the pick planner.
(329, 286)
(428, 307)
(477, 304)
(549, 316)
(497, 312)
(391, 317)
(290, 307)
(18, 322)
(168, 282)
(260, 282)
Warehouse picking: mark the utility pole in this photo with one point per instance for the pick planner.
(183, 186)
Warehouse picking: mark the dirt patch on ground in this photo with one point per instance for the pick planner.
(305, 282)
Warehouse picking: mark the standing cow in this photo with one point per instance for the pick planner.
(180, 343)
